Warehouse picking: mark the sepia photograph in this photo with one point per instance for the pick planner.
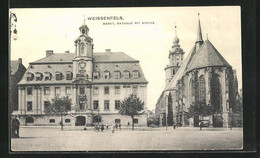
(125, 79)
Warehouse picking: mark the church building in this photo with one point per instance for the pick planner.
(203, 76)
(96, 82)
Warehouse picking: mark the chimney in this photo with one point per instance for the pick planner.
(20, 61)
(49, 52)
(108, 50)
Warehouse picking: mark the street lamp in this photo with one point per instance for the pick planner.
(98, 115)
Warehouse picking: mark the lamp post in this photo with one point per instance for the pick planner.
(98, 115)
(14, 33)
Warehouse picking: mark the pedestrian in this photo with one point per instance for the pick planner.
(102, 128)
(17, 126)
(128, 124)
(107, 126)
(112, 128)
(200, 124)
(120, 126)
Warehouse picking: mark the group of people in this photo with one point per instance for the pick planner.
(15, 127)
(113, 126)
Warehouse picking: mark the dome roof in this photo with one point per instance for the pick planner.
(83, 26)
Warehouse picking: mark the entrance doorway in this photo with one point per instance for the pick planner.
(80, 121)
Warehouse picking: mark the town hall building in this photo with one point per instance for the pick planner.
(203, 76)
(96, 82)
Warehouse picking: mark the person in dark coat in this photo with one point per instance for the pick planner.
(119, 126)
(102, 128)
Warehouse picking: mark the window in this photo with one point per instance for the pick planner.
(81, 104)
(106, 105)
(106, 90)
(135, 89)
(126, 74)
(67, 120)
(46, 90)
(58, 76)
(117, 121)
(38, 76)
(136, 74)
(29, 106)
(117, 74)
(47, 76)
(117, 90)
(69, 76)
(136, 121)
(29, 120)
(202, 89)
(29, 90)
(95, 90)
(46, 104)
(52, 120)
(57, 90)
(117, 104)
(173, 72)
(29, 77)
(96, 75)
(107, 75)
(95, 106)
(82, 90)
(68, 90)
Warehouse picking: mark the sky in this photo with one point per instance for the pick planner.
(149, 41)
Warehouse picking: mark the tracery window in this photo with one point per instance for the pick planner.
(202, 89)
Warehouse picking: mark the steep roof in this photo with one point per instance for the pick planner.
(98, 57)
(207, 56)
(15, 65)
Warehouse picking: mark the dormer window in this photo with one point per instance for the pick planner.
(29, 77)
(38, 76)
(117, 74)
(136, 74)
(106, 74)
(126, 74)
(47, 76)
(58, 76)
(96, 75)
(68, 75)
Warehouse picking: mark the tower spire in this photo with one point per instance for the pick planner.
(199, 33)
(176, 39)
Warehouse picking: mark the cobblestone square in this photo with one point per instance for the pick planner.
(77, 139)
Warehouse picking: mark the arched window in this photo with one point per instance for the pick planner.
(136, 74)
(29, 120)
(29, 76)
(58, 75)
(47, 76)
(117, 74)
(215, 96)
(107, 74)
(97, 118)
(202, 89)
(191, 90)
(38, 76)
(126, 74)
(96, 75)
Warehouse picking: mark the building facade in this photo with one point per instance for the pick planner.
(206, 77)
(96, 83)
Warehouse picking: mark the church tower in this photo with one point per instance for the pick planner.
(175, 59)
(83, 63)
(199, 40)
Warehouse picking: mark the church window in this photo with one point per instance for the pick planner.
(107, 74)
(215, 96)
(136, 74)
(117, 74)
(202, 89)
(126, 74)
(173, 72)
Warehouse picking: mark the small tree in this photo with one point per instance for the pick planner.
(200, 109)
(131, 106)
(59, 106)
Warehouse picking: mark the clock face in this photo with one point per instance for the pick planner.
(82, 65)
